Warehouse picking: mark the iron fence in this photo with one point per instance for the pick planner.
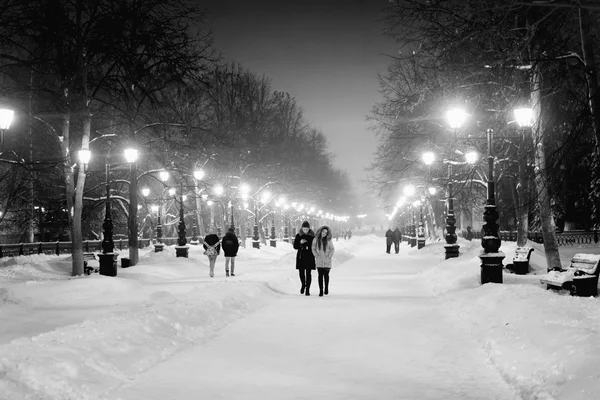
(58, 248)
(566, 238)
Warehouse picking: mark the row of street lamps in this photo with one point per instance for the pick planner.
(491, 257)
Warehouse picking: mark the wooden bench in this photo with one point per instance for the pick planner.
(520, 262)
(580, 278)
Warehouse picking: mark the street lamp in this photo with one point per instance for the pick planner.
(181, 250)
(159, 246)
(131, 156)
(6, 118)
(198, 176)
(108, 259)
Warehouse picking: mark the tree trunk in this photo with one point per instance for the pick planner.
(591, 74)
(541, 177)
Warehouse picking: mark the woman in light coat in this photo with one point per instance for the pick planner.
(323, 249)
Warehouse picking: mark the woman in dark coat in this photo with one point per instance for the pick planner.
(230, 245)
(396, 238)
(305, 260)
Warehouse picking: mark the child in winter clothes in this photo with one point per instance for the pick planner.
(230, 245)
(323, 249)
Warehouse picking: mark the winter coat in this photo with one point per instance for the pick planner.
(397, 236)
(212, 240)
(388, 236)
(323, 256)
(304, 258)
(230, 244)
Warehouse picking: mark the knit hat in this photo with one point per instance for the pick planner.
(305, 224)
(230, 230)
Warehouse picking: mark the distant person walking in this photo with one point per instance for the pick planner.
(396, 238)
(349, 234)
(389, 236)
(323, 249)
(305, 260)
(469, 233)
(230, 245)
(212, 248)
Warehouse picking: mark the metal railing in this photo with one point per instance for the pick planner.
(58, 248)
(566, 238)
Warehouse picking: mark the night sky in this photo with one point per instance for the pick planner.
(325, 53)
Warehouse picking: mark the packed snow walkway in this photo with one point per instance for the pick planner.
(378, 335)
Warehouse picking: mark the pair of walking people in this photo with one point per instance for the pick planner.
(212, 249)
(392, 237)
(315, 251)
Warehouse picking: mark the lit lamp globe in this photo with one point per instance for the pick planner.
(145, 191)
(218, 190)
(154, 209)
(172, 191)
(84, 156)
(409, 190)
(428, 157)
(6, 118)
(245, 189)
(164, 175)
(432, 190)
(524, 117)
(266, 196)
(198, 174)
(456, 117)
(131, 155)
(471, 157)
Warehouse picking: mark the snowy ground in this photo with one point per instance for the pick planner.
(406, 326)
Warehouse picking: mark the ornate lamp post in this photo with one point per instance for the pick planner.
(181, 250)
(218, 191)
(6, 118)
(108, 259)
(255, 236)
(164, 176)
(198, 176)
(421, 230)
(131, 156)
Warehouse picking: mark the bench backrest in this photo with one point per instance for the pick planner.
(523, 253)
(589, 263)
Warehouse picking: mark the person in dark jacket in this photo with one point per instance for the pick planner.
(397, 236)
(212, 249)
(230, 245)
(305, 260)
(388, 240)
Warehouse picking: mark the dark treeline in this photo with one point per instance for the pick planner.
(107, 74)
(491, 57)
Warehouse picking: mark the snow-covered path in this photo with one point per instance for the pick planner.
(379, 335)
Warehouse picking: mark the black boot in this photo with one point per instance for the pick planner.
(302, 280)
(327, 282)
(320, 282)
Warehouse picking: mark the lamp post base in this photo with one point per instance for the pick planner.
(491, 267)
(286, 239)
(413, 241)
(108, 264)
(256, 244)
(420, 243)
(158, 247)
(451, 250)
(273, 242)
(181, 251)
